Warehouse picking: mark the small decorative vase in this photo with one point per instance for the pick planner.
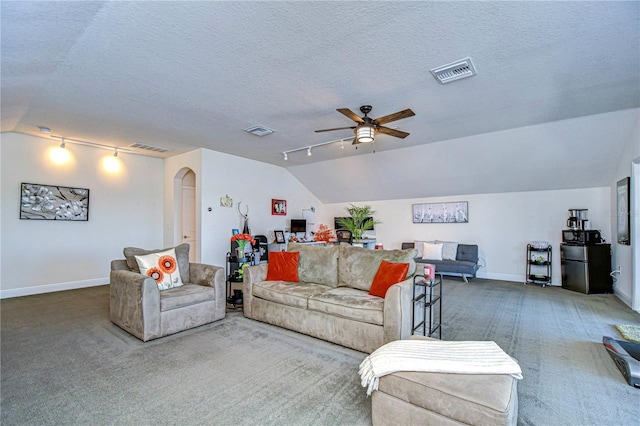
(240, 252)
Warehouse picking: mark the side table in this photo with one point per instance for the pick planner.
(427, 299)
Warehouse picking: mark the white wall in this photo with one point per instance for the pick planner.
(622, 254)
(249, 182)
(125, 209)
(501, 225)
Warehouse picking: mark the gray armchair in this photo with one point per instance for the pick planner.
(140, 308)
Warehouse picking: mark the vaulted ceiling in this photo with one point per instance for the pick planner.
(187, 75)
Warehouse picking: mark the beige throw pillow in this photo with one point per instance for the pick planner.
(162, 267)
(432, 251)
(449, 250)
(418, 246)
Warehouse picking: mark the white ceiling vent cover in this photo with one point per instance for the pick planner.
(146, 147)
(259, 130)
(454, 71)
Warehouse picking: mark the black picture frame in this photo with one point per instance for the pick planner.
(622, 211)
(279, 237)
(53, 202)
(446, 212)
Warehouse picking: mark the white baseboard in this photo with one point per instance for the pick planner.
(623, 297)
(48, 288)
(555, 281)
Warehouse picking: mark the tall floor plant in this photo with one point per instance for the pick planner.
(360, 220)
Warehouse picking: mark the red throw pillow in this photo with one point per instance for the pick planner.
(389, 273)
(283, 266)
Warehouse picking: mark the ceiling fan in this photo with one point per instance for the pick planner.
(367, 127)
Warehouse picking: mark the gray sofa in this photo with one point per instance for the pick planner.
(465, 264)
(332, 300)
(137, 305)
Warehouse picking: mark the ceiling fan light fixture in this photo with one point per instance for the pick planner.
(365, 133)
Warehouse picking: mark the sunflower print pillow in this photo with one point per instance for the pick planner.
(162, 267)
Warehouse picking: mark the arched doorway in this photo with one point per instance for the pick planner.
(185, 211)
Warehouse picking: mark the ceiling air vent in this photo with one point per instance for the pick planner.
(146, 147)
(454, 71)
(259, 130)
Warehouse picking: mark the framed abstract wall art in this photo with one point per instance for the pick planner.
(53, 202)
(456, 212)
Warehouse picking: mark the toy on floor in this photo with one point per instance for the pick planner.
(626, 356)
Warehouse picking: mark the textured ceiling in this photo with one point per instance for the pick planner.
(185, 75)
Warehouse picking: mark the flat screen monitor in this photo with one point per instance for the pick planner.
(298, 225)
(336, 222)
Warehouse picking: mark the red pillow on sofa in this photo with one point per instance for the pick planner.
(389, 273)
(283, 266)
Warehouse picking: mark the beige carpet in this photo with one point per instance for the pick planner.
(630, 332)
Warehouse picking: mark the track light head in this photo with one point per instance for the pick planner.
(286, 157)
(62, 144)
(309, 151)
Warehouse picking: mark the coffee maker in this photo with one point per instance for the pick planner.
(578, 220)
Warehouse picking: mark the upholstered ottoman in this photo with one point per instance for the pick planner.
(419, 398)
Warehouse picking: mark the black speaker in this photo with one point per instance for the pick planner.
(262, 247)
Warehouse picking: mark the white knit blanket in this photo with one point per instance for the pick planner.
(436, 356)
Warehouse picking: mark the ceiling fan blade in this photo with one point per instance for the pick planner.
(337, 128)
(393, 132)
(352, 115)
(395, 116)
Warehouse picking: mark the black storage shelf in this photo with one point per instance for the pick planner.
(538, 262)
(233, 266)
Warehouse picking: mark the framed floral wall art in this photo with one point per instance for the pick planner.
(53, 202)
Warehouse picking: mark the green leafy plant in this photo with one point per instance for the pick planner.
(358, 220)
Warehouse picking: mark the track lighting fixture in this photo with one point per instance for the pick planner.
(285, 154)
(61, 155)
(64, 140)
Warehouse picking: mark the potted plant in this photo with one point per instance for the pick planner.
(359, 220)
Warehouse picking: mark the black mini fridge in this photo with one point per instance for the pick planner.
(586, 268)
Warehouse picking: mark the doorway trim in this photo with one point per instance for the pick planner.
(177, 210)
(635, 234)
